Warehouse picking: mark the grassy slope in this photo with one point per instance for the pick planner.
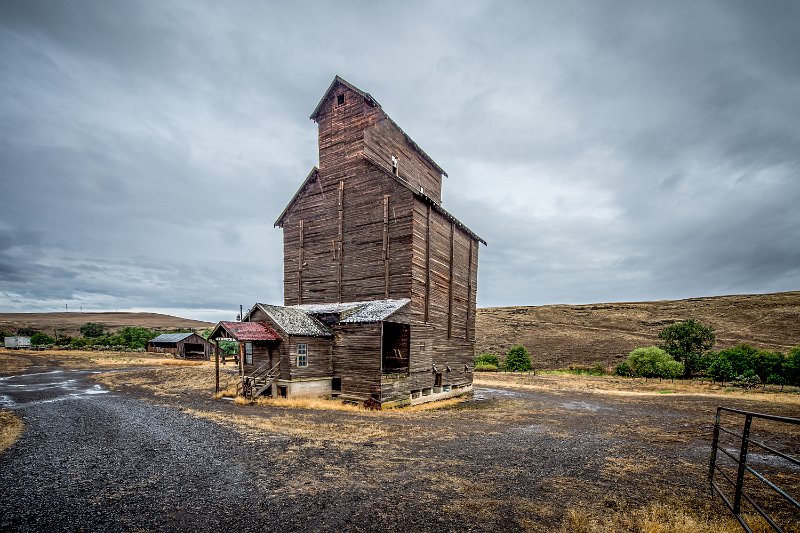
(70, 323)
(559, 335)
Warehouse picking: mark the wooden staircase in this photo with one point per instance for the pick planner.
(255, 383)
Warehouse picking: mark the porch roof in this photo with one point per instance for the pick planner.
(248, 331)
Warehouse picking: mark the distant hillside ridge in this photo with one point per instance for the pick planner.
(561, 335)
(56, 324)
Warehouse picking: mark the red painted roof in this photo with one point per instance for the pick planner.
(250, 331)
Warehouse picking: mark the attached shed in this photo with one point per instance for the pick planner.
(181, 345)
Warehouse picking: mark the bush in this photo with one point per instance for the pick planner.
(597, 369)
(485, 367)
(518, 360)
(41, 339)
(92, 329)
(653, 362)
(623, 369)
(487, 359)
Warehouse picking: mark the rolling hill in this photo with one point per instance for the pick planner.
(55, 324)
(560, 335)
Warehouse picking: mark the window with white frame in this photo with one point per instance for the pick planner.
(302, 354)
(248, 353)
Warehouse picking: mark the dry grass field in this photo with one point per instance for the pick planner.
(69, 323)
(561, 335)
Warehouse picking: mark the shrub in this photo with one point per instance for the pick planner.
(40, 339)
(518, 360)
(597, 369)
(686, 341)
(487, 359)
(485, 367)
(623, 369)
(653, 362)
(92, 329)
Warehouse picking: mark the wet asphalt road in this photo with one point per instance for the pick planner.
(94, 460)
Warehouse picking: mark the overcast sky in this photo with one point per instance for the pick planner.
(606, 151)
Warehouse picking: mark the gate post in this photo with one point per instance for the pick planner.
(714, 444)
(737, 499)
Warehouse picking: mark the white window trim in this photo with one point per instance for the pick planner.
(302, 352)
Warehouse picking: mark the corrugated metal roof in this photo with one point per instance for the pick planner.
(357, 312)
(375, 311)
(296, 321)
(250, 331)
(171, 337)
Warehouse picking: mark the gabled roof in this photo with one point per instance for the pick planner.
(248, 331)
(309, 178)
(427, 199)
(295, 321)
(368, 97)
(338, 80)
(357, 312)
(171, 337)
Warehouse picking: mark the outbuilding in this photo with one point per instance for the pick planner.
(181, 345)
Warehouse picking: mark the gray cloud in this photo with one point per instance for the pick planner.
(608, 151)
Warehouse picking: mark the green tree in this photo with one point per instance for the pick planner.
(92, 329)
(686, 341)
(132, 337)
(741, 357)
(721, 370)
(791, 366)
(766, 364)
(40, 339)
(518, 359)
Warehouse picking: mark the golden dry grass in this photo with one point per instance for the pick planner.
(616, 385)
(11, 428)
(13, 362)
(294, 425)
(167, 380)
(674, 517)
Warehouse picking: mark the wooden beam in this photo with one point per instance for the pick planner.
(450, 284)
(386, 246)
(427, 263)
(469, 289)
(300, 261)
(341, 243)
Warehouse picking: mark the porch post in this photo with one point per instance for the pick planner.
(216, 365)
(241, 359)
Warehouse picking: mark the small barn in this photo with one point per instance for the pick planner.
(181, 345)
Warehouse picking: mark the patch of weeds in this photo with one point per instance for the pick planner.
(666, 391)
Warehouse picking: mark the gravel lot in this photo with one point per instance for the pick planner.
(508, 460)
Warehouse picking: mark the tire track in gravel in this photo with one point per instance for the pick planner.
(95, 460)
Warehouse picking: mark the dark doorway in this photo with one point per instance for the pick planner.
(193, 351)
(282, 391)
(336, 384)
(396, 347)
(438, 382)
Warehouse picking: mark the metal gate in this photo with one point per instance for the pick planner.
(784, 463)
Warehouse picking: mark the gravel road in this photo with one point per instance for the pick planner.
(93, 460)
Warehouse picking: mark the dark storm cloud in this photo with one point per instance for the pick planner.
(607, 151)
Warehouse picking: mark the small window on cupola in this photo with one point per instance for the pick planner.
(340, 99)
